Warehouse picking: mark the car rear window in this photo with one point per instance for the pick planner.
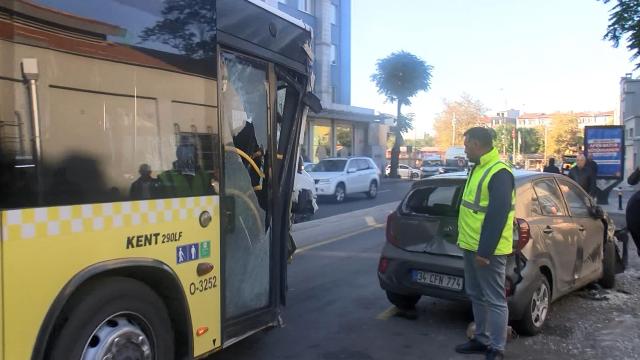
(435, 200)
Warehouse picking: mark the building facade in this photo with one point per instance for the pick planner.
(588, 118)
(630, 118)
(340, 130)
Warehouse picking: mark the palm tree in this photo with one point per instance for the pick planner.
(399, 77)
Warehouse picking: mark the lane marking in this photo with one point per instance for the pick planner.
(385, 315)
(338, 238)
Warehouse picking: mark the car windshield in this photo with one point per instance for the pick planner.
(427, 163)
(329, 166)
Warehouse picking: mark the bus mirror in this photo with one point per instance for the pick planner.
(228, 216)
(312, 101)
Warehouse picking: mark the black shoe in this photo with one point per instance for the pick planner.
(472, 346)
(493, 354)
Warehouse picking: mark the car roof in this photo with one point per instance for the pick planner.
(519, 175)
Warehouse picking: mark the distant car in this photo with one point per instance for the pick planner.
(431, 167)
(562, 242)
(339, 177)
(405, 171)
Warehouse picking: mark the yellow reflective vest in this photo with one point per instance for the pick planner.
(475, 202)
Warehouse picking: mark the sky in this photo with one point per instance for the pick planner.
(534, 56)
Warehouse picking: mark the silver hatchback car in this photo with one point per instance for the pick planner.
(562, 241)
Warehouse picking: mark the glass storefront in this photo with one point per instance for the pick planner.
(321, 142)
(344, 140)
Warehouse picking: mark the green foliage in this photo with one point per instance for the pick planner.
(187, 26)
(625, 21)
(401, 76)
(532, 140)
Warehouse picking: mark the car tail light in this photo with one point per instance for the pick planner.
(524, 233)
(390, 233)
(383, 265)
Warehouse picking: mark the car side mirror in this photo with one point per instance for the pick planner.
(597, 212)
(351, 170)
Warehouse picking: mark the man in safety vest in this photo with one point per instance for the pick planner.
(485, 234)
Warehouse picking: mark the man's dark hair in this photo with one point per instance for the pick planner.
(482, 135)
(552, 161)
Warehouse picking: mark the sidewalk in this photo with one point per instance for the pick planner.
(613, 206)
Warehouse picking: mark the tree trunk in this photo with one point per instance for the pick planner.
(395, 151)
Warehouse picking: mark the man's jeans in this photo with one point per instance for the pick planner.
(485, 287)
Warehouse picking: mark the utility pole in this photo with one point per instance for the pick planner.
(453, 135)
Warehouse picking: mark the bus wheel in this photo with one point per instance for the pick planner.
(116, 318)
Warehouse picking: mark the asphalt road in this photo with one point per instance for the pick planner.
(337, 311)
(389, 191)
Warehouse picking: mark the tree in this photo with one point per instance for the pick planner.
(532, 140)
(504, 140)
(625, 21)
(564, 135)
(399, 77)
(188, 26)
(467, 112)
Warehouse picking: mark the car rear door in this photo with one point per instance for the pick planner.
(590, 231)
(558, 232)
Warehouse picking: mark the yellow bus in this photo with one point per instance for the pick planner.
(147, 154)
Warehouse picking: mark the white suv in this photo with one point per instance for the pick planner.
(338, 177)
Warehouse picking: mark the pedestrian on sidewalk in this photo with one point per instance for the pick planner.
(485, 228)
(633, 210)
(552, 168)
(583, 175)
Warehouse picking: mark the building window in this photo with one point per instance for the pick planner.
(321, 141)
(333, 54)
(334, 14)
(305, 6)
(631, 133)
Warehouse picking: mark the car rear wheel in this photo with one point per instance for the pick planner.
(537, 309)
(116, 318)
(373, 190)
(403, 302)
(608, 279)
(340, 193)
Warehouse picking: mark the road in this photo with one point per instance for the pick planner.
(337, 311)
(389, 191)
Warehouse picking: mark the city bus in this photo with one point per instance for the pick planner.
(147, 151)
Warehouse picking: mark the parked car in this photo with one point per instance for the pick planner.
(405, 171)
(338, 177)
(562, 242)
(308, 166)
(431, 167)
(304, 195)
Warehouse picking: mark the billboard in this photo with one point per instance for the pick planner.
(606, 145)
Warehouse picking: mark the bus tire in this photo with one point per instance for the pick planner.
(118, 316)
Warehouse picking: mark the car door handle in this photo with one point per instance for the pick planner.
(581, 228)
(547, 230)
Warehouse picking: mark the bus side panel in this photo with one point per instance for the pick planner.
(45, 247)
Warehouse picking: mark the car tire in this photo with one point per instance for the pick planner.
(115, 308)
(403, 302)
(608, 279)
(373, 190)
(340, 194)
(537, 308)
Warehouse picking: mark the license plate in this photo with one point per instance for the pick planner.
(439, 280)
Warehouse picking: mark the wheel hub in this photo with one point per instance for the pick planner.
(118, 339)
(540, 305)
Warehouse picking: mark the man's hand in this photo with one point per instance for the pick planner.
(480, 261)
